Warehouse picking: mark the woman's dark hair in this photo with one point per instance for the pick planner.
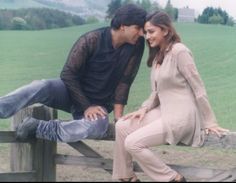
(162, 20)
(129, 14)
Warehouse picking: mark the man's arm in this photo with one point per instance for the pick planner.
(118, 111)
(122, 90)
(74, 68)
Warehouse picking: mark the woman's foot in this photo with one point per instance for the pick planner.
(179, 178)
(132, 179)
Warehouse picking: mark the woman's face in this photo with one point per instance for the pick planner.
(154, 34)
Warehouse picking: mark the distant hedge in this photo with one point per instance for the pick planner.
(37, 19)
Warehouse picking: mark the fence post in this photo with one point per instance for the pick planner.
(38, 155)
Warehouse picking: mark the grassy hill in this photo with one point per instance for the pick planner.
(84, 8)
(30, 55)
(16, 4)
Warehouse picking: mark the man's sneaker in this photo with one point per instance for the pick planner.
(27, 129)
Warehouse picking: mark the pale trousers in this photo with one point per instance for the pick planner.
(133, 140)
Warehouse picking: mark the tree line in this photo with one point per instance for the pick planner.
(146, 4)
(37, 19)
(209, 16)
(212, 15)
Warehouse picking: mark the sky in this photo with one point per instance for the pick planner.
(200, 5)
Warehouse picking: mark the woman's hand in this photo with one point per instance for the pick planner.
(139, 114)
(217, 130)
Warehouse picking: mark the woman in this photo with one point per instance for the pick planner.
(177, 111)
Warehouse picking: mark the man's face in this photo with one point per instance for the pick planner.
(132, 33)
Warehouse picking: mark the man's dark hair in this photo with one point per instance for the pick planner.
(129, 14)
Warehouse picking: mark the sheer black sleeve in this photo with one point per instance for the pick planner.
(122, 90)
(73, 69)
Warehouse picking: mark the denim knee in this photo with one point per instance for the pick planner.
(43, 84)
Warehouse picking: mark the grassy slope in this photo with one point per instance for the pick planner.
(30, 55)
(19, 4)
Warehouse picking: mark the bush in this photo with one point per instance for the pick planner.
(18, 23)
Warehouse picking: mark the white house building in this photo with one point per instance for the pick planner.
(186, 15)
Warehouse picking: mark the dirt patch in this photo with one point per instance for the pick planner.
(197, 157)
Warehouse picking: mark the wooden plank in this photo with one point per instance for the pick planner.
(106, 164)
(110, 135)
(9, 137)
(18, 177)
(39, 155)
(49, 165)
(220, 177)
(228, 140)
(45, 150)
(21, 154)
(191, 173)
(84, 149)
(87, 151)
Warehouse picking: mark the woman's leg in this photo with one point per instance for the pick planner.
(138, 143)
(122, 161)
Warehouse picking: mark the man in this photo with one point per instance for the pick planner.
(95, 80)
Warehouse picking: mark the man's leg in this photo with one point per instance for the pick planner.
(61, 131)
(52, 93)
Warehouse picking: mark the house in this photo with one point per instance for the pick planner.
(186, 15)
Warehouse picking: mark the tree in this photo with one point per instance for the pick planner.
(170, 10)
(92, 19)
(155, 6)
(112, 7)
(214, 16)
(127, 2)
(146, 4)
(18, 23)
(216, 19)
(230, 21)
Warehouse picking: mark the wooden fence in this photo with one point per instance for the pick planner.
(36, 160)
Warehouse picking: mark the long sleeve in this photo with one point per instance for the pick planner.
(74, 67)
(152, 101)
(122, 90)
(187, 68)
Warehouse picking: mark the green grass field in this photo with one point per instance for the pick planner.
(31, 55)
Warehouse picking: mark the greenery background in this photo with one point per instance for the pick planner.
(32, 55)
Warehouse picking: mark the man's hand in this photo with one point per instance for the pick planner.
(94, 112)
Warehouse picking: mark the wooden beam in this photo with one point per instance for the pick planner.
(87, 151)
(9, 137)
(191, 173)
(18, 177)
(106, 164)
(228, 140)
(39, 155)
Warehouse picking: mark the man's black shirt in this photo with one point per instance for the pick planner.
(97, 74)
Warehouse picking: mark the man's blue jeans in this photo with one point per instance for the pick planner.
(53, 93)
